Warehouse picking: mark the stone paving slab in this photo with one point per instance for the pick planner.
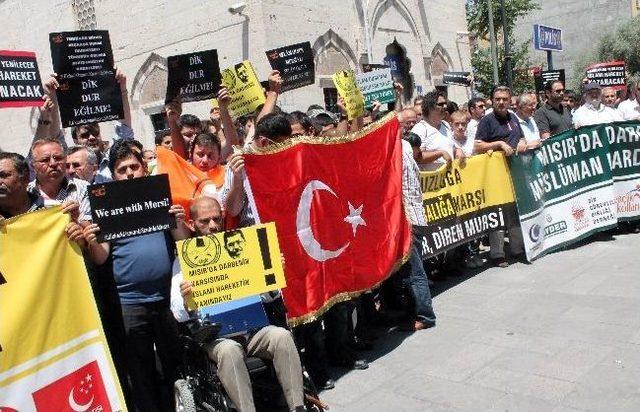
(561, 334)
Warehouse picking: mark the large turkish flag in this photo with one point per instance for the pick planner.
(337, 205)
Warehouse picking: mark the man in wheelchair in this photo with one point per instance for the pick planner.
(270, 342)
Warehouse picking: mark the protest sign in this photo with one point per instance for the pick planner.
(542, 77)
(578, 183)
(624, 160)
(88, 90)
(131, 207)
(244, 89)
(20, 84)
(193, 76)
(227, 266)
(336, 209)
(53, 351)
(295, 64)
(462, 203)
(369, 67)
(376, 85)
(457, 78)
(345, 81)
(610, 74)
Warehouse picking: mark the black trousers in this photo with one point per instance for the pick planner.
(146, 325)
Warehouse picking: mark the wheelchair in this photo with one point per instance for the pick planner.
(198, 388)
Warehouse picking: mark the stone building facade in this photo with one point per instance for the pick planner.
(431, 34)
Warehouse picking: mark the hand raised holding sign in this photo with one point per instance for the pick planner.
(275, 81)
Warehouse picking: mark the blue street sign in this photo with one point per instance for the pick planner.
(547, 38)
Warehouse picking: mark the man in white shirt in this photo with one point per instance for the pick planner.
(593, 111)
(270, 342)
(476, 107)
(630, 109)
(525, 108)
(437, 146)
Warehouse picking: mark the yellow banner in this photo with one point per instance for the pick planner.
(345, 81)
(50, 331)
(481, 182)
(464, 202)
(231, 265)
(244, 88)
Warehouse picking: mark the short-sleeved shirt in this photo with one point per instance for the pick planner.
(70, 189)
(586, 115)
(142, 267)
(529, 129)
(552, 120)
(434, 139)
(494, 128)
(629, 110)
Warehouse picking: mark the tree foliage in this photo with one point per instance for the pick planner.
(478, 23)
(621, 44)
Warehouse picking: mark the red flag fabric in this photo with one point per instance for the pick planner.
(81, 390)
(337, 205)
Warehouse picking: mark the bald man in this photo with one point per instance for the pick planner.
(271, 342)
(609, 97)
(407, 119)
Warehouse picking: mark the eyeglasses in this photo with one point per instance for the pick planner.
(47, 160)
(558, 91)
(441, 104)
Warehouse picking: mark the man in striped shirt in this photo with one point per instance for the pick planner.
(412, 198)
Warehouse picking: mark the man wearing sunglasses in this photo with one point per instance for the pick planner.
(553, 117)
(477, 109)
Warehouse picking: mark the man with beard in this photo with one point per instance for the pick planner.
(593, 111)
(553, 117)
(269, 342)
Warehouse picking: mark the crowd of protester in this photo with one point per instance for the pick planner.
(137, 281)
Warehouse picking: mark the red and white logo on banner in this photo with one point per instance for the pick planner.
(80, 391)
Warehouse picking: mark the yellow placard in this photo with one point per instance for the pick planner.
(244, 88)
(482, 182)
(50, 329)
(231, 265)
(345, 81)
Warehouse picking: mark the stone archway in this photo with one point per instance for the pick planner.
(440, 62)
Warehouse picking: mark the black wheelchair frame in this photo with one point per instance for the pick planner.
(198, 388)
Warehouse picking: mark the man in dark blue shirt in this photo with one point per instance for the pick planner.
(142, 269)
(500, 130)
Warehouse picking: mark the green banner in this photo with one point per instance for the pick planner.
(577, 183)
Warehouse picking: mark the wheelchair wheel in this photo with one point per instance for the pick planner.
(183, 397)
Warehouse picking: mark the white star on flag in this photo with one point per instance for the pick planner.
(354, 218)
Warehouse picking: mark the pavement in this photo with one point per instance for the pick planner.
(561, 334)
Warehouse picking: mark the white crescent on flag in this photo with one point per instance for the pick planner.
(303, 223)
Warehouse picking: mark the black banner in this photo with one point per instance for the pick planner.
(295, 64)
(193, 76)
(131, 207)
(457, 78)
(541, 78)
(452, 231)
(88, 92)
(20, 84)
(610, 74)
(369, 67)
